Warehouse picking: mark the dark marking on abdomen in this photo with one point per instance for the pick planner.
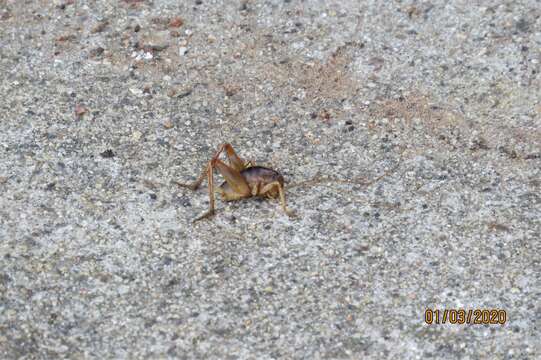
(262, 175)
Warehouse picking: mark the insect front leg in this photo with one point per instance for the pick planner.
(280, 187)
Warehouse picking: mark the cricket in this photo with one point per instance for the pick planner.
(243, 180)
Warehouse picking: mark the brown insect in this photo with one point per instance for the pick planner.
(242, 180)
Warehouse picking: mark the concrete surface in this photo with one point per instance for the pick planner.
(104, 103)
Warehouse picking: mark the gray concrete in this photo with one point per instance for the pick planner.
(426, 116)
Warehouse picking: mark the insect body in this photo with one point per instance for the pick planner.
(256, 177)
(242, 180)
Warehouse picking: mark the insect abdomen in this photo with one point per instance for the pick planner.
(262, 175)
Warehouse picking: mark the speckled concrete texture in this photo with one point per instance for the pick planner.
(409, 134)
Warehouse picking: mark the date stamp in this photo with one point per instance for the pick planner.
(468, 317)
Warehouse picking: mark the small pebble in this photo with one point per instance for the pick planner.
(99, 27)
(65, 37)
(168, 124)
(80, 110)
(136, 135)
(107, 154)
(136, 91)
(176, 22)
(96, 52)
